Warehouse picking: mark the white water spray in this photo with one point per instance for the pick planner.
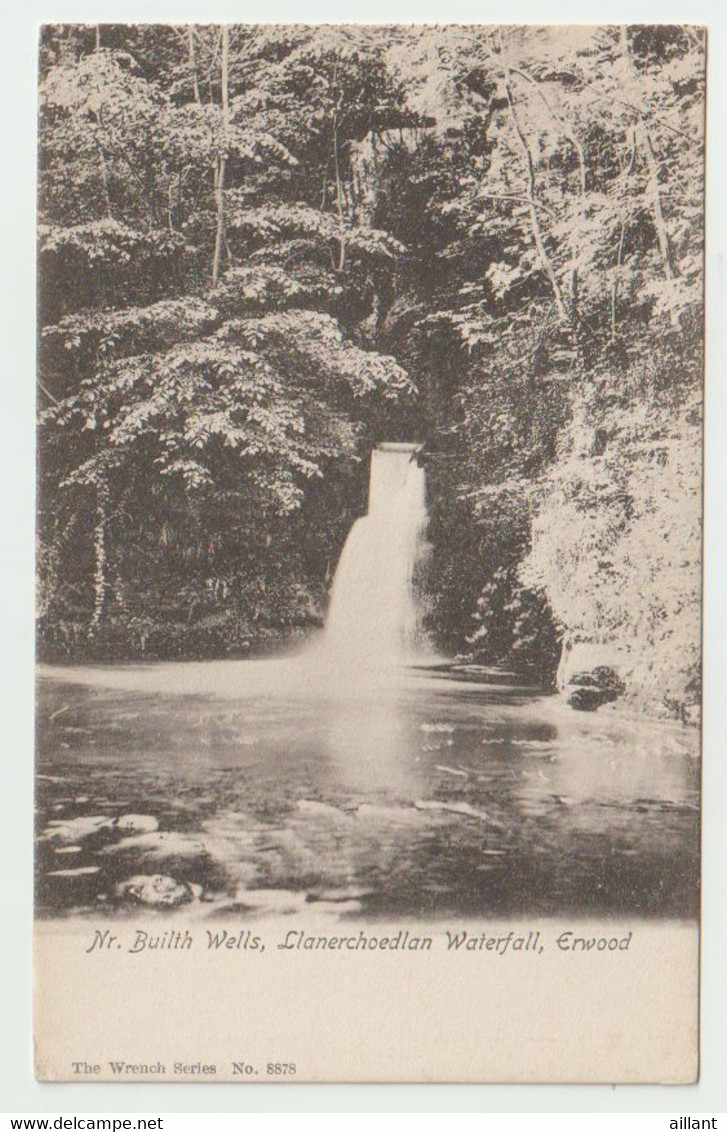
(373, 617)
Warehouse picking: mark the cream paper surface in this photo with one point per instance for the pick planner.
(550, 1015)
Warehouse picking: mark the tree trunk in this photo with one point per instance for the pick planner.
(100, 580)
(193, 63)
(662, 234)
(537, 231)
(571, 136)
(620, 248)
(339, 188)
(222, 159)
(99, 143)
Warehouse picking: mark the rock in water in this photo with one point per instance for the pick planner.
(587, 691)
(584, 699)
(86, 871)
(602, 677)
(137, 823)
(76, 829)
(156, 891)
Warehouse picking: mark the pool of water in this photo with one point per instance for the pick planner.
(255, 789)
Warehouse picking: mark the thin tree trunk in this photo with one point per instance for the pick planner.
(543, 255)
(49, 573)
(222, 159)
(567, 130)
(339, 189)
(193, 63)
(339, 203)
(100, 581)
(662, 234)
(101, 155)
(620, 249)
(580, 152)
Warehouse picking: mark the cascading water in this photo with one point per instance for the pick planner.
(373, 620)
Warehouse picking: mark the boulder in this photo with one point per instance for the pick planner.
(603, 677)
(589, 688)
(156, 891)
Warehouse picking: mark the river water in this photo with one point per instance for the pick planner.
(442, 792)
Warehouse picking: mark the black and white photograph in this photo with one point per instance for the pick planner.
(370, 374)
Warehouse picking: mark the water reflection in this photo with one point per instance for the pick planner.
(371, 747)
(433, 795)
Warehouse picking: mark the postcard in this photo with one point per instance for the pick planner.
(370, 377)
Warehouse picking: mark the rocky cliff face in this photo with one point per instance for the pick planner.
(617, 549)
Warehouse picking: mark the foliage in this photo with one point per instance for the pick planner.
(618, 539)
(265, 248)
(563, 201)
(197, 376)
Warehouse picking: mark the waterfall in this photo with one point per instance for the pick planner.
(373, 618)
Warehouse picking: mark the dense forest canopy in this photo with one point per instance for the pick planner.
(265, 248)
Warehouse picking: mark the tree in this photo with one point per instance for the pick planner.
(265, 248)
(162, 362)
